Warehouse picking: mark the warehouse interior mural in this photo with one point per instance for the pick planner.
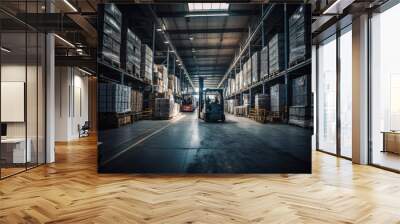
(205, 88)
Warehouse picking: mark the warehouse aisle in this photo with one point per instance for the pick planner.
(189, 145)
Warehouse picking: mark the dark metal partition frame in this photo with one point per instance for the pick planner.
(29, 30)
(387, 5)
(337, 32)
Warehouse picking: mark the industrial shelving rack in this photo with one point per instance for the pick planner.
(258, 40)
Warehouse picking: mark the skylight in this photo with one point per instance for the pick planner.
(199, 7)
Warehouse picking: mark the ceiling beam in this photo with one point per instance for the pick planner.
(214, 65)
(207, 47)
(207, 56)
(165, 14)
(196, 31)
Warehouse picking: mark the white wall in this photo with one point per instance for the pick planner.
(71, 102)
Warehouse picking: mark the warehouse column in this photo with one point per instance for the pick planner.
(360, 90)
(286, 59)
(201, 84)
(50, 92)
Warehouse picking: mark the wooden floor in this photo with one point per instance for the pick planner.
(71, 191)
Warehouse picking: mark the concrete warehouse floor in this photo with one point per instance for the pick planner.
(189, 145)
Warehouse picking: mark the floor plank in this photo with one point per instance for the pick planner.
(71, 191)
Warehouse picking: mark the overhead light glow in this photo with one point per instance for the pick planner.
(166, 42)
(70, 5)
(159, 29)
(84, 71)
(207, 15)
(5, 50)
(64, 40)
(208, 7)
(337, 7)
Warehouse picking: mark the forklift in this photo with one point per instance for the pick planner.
(212, 105)
(187, 103)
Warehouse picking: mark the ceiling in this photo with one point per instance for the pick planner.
(207, 42)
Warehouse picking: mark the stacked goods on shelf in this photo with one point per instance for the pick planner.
(261, 108)
(255, 67)
(136, 101)
(114, 105)
(243, 110)
(171, 82)
(227, 89)
(146, 63)
(300, 113)
(233, 85)
(230, 105)
(165, 79)
(114, 98)
(245, 72)
(160, 73)
(299, 35)
(130, 54)
(241, 84)
(165, 108)
(276, 54)
(177, 85)
(237, 83)
(264, 72)
(262, 101)
(278, 98)
(246, 100)
(157, 79)
(110, 41)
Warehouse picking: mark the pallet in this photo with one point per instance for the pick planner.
(297, 61)
(146, 114)
(114, 120)
(259, 115)
(273, 74)
(111, 62)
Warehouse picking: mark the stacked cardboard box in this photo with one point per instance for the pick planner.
(232, 86)
(262, 101)
(160, 79)
(146, 63)
(276, 53)
(114, 98)
(241, 83)
(237, 83)
(111, 38)
(299, 35)
(264, 68)
(278, 97)
(171, 82)
(132, 57)
(136, 101)
(246, 73)
(246, 100)
(230, 105)
(255, 67)
(300, 113)
(242, 111)
(157, 79)
(301, 91)
(165, 108)
(174, 84)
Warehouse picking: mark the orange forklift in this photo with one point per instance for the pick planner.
(187, 103)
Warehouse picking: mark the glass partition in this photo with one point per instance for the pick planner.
(22, 77)
(385, 89)
(327, 95)
(346, 92)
